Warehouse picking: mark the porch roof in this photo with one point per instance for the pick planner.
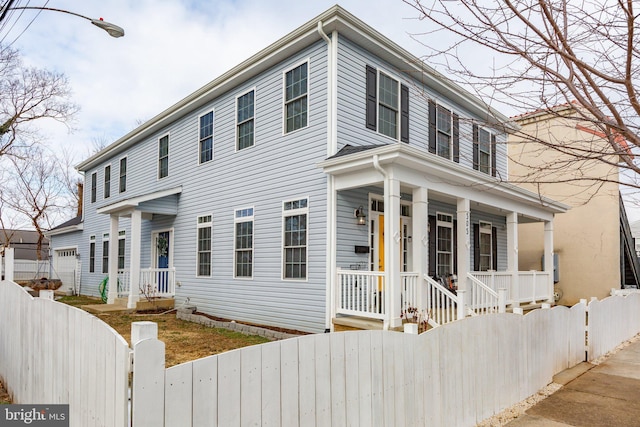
(145, 203)
(358, 167)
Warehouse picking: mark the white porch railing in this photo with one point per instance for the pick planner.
(483, 299)
(361, 293)
(154, 282)
(443, 306)
(530, 286)
(410, 295)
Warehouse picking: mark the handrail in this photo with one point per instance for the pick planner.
(483, 299)
(442, 304)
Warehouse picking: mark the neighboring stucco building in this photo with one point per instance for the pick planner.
(591, 240)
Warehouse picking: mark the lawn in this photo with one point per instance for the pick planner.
(184, 341)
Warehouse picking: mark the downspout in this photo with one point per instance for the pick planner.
(385, 174)
(332, 144)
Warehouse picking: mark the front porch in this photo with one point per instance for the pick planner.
(435, 238)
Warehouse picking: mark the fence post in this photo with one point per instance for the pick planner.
(461, 304)
(46, 294)
(502, 300)
(147, 408)
(8, 264)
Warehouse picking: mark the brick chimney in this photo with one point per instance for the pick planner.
(80, 196)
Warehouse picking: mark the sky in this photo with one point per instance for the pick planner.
(170, 49)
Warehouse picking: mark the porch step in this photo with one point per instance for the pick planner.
(353, 323)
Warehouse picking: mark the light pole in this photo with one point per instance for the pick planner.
(112, 29)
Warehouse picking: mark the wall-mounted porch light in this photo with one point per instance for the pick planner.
(360, 215)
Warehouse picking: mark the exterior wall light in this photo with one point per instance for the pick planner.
(360, 215)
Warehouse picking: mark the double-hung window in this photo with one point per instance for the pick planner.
(485, 246)
(444, 134)
(205, 226)
(444, 245)
(295, 213)
(92, 254)
(163, 157)
(123, 175)
(122, 235)
(484, 151)
(245, 113)
(94, 186)
(296, 103)
(243, 245)
(105, 253)
(205, 146)
(107, 181)
(387, 105)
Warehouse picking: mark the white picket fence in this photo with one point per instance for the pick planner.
(454, 375)
(52, 353)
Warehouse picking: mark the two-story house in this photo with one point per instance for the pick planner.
(332, 174)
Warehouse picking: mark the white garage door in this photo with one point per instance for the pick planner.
(65, 265)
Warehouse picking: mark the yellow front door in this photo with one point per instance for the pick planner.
(380, 242)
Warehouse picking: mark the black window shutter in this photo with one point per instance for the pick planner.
(476, 247)
(456, 138)
(476, 153)
(404, 113)
(494, 247)
(455, 247)
(432, 127)
(371, 97)
(432, 245)
(494, 168)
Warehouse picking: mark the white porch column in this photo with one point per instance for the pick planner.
(113, 259)
(392, 250)
(512, 256)
(464, 242)
(331, 263)
(134, 267)
(548, 256)
(420, 240)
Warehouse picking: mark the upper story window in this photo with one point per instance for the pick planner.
(94, 186)
(203, 263)
(294, 255)
(107, 181)
(163, 157)
(295, 103)
(205, 149)
(387, 105)
(484, 151)
(444, 132)
(243, 245)
(123, 175)
(244, 116)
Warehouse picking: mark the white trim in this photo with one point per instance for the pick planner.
(168, 135)
(491, 133)
(482, 231)
(449, 225)
(236, 220)
(294, 212)
(255, 97)
(68, 229)
(392, 76)
(135, 201)
(284, 95)
(211, 111)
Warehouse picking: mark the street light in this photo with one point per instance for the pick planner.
(112, 29)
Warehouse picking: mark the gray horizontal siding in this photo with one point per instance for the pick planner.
(352, 130)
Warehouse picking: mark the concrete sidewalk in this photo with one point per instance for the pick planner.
(604, 395)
